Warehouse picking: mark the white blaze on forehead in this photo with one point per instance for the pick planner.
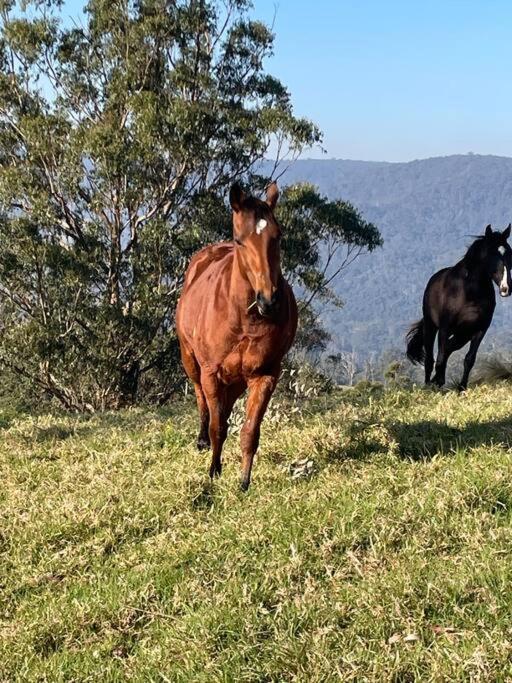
(502, 250)
(261, 225)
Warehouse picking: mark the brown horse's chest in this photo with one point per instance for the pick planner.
(215, 324)
(248, 357)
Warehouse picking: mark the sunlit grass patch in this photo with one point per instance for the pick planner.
(388, 560)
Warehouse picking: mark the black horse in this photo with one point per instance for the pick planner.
(459, 303)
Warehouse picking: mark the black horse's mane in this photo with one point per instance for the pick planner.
(473, 252)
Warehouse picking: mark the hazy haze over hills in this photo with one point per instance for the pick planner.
(426, 211)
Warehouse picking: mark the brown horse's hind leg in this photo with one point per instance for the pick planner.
(260, 392)
(203, 439)
(194, 373)
(215, 394)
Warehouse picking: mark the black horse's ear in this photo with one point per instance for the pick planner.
(488, 231)
(506, 233)
(272, 195)
(236, 197)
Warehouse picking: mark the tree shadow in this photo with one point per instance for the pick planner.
(416, 441)
(423, 440)
(85, 425)
(58, 433)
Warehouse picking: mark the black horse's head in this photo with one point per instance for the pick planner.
(492, 252)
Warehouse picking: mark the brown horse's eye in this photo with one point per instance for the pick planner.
(239, 242)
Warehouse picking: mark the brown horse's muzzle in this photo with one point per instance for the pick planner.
(266, 306)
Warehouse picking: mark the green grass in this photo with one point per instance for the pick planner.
(390, 561)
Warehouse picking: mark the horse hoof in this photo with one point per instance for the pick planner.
(215, 472)
(203, 444)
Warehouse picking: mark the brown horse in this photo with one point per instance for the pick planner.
(236, 319)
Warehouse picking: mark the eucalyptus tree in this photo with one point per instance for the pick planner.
(322, 238)
(121, 131)
(119, 135)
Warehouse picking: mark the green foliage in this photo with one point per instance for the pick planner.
(386, 559)
(118, 141)
(321, 239)
(396, 374)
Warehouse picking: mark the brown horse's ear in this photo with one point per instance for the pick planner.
(272, 195)
(506, 233)
(488, 231)
(236, 197)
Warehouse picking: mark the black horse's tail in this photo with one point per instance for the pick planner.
(415, 348)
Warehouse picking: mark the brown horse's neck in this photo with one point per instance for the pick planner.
(240, 289)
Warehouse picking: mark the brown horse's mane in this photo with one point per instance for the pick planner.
(205, 257)
(255, 204)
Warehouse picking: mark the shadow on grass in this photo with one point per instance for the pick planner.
(59, 433)
(86, 425)
(204, 499)
(359, 449)
(5, 421)
(417, 440)
(423, 440)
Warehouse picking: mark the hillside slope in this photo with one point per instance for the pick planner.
(390, 561)
(426, 211)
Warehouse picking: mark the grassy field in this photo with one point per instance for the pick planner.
(387, 556)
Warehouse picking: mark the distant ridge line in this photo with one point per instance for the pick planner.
(424, 208)
(468, 155)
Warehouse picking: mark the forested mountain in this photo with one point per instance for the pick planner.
(426, 211)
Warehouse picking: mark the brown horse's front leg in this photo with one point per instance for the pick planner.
(219, 400)
(260, 392)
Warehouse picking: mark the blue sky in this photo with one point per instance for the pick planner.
(394, 80)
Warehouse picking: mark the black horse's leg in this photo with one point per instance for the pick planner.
(442, 357)
(453, 343)
(429, 337)
(469, 360)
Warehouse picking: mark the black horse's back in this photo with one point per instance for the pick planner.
(447, 295)
(416, 335)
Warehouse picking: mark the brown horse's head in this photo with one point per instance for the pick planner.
(256, 234)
